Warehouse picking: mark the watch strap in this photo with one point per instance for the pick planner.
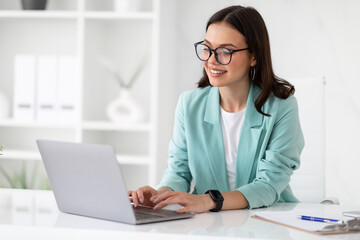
(217, 197)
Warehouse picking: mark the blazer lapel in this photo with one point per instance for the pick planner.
(214, 140)
(249, 140)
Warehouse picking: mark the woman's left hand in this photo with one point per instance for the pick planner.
(190, 202)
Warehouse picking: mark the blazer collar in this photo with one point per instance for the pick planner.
(213, 139)
(252, 117)
(212, 109)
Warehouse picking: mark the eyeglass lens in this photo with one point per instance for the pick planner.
(222, 55)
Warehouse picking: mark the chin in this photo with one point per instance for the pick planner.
(217, 82)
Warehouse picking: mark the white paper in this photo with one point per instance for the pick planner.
(290, 218)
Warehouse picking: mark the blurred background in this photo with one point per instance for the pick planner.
(71, 71)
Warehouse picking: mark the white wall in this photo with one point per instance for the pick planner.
(309, 38)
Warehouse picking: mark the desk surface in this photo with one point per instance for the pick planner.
(34, 215)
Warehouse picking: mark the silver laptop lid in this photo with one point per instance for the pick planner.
(86, 180)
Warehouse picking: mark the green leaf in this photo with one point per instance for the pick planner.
(45, 184)
(33, 177)
(7, 177)
(22, 177)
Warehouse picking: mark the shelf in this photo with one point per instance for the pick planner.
(34, 124)
(96, 15)
(38, 14)
(108, 126)
(88, 125)
(21, 155)
(106, 15)
(35, 156)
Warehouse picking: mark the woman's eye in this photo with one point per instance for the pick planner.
(224, 52)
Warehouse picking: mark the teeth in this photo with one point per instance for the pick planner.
(217, 72)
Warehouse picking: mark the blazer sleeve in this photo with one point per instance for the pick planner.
(177, 176)
(281, 157)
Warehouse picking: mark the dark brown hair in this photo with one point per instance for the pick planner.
(249, 23)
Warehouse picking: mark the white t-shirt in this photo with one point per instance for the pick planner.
(231, 124)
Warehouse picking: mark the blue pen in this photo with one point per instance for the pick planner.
(319, 219)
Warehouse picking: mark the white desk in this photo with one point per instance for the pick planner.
(34, 215)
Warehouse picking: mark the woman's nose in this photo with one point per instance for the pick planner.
(212, 59)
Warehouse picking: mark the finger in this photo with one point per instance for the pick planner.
(167, 202)
(135, 199)
(183, 210)
(140, 195)
(146, 195)
(149, 191)
(160, 205)
(130, 195)
(164, 196)
(188, 210)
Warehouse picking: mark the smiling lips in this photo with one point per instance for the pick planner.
(216, 73)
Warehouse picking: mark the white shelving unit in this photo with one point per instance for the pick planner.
(89, 30)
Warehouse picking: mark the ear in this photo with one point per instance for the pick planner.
(253, 61)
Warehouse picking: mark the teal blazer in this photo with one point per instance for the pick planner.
(268, 153)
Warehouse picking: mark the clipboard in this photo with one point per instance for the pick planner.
(289, 219)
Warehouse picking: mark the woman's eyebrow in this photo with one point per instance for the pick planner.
(221, 45)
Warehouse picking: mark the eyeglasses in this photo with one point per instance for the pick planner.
(222, 55)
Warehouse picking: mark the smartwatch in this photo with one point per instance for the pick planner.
(217, 198)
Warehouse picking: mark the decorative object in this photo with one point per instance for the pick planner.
(4, 106)
(34, 4)
(127, 5)
(121, 5)
(124, 108)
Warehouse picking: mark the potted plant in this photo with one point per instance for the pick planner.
(20, 180)
(33, 4)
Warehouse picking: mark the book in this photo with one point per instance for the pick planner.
(24, 87)
(68, 89)
(46, 90)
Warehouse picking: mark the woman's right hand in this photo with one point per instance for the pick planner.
(143, 196)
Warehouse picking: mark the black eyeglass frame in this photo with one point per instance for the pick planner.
(216, 55)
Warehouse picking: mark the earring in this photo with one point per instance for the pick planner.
(252, 73)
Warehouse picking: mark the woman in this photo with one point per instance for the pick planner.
(237, 136)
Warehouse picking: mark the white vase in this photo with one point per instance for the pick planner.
(127, 5)
(124, 109)
(4, 106)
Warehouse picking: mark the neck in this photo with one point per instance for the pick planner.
(233, 98)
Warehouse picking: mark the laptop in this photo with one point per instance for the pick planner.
(87, 181)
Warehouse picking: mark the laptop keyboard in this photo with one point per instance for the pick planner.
(144, 215)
